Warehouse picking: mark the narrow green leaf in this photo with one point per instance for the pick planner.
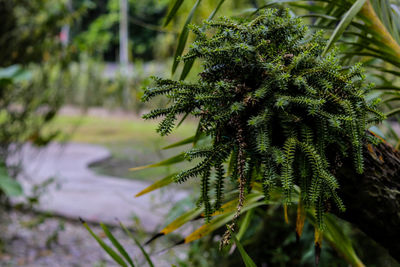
(160, 183)
(199, 135)
(189, 63)
(278, 2)
(181, 220)
(183, 36)
(208, 228)
(215, 10)
(105, 247)
(147, 257)
(392, 112)
(172, 12)
(339, 240)
(345, 21)
(181, 142)
(186, 69)
(116, 244)
(217, 222)
(245, 224)
(246, 258)
(175, 159)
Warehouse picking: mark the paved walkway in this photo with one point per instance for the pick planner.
(80, 192)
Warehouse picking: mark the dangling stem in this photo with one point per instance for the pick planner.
(241, 162)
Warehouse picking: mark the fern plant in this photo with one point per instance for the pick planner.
(282, 114)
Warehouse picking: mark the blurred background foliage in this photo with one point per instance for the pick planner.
(65, 52)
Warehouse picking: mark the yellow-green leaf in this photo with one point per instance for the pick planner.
(160, 183)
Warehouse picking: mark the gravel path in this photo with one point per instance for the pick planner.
(77, 191)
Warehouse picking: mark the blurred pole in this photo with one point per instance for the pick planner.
(64, 34)
(123, 50)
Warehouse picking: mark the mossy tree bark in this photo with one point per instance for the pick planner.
(372, 199)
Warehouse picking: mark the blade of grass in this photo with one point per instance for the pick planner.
(138, 244)
(116, 244)
(114, 255)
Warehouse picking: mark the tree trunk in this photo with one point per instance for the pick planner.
(372, 199)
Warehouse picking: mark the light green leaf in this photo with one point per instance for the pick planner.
(345, 21)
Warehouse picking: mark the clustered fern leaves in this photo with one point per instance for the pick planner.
(271, 103)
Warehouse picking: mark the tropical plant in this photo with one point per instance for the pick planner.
(271, 102)
(282, 113)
